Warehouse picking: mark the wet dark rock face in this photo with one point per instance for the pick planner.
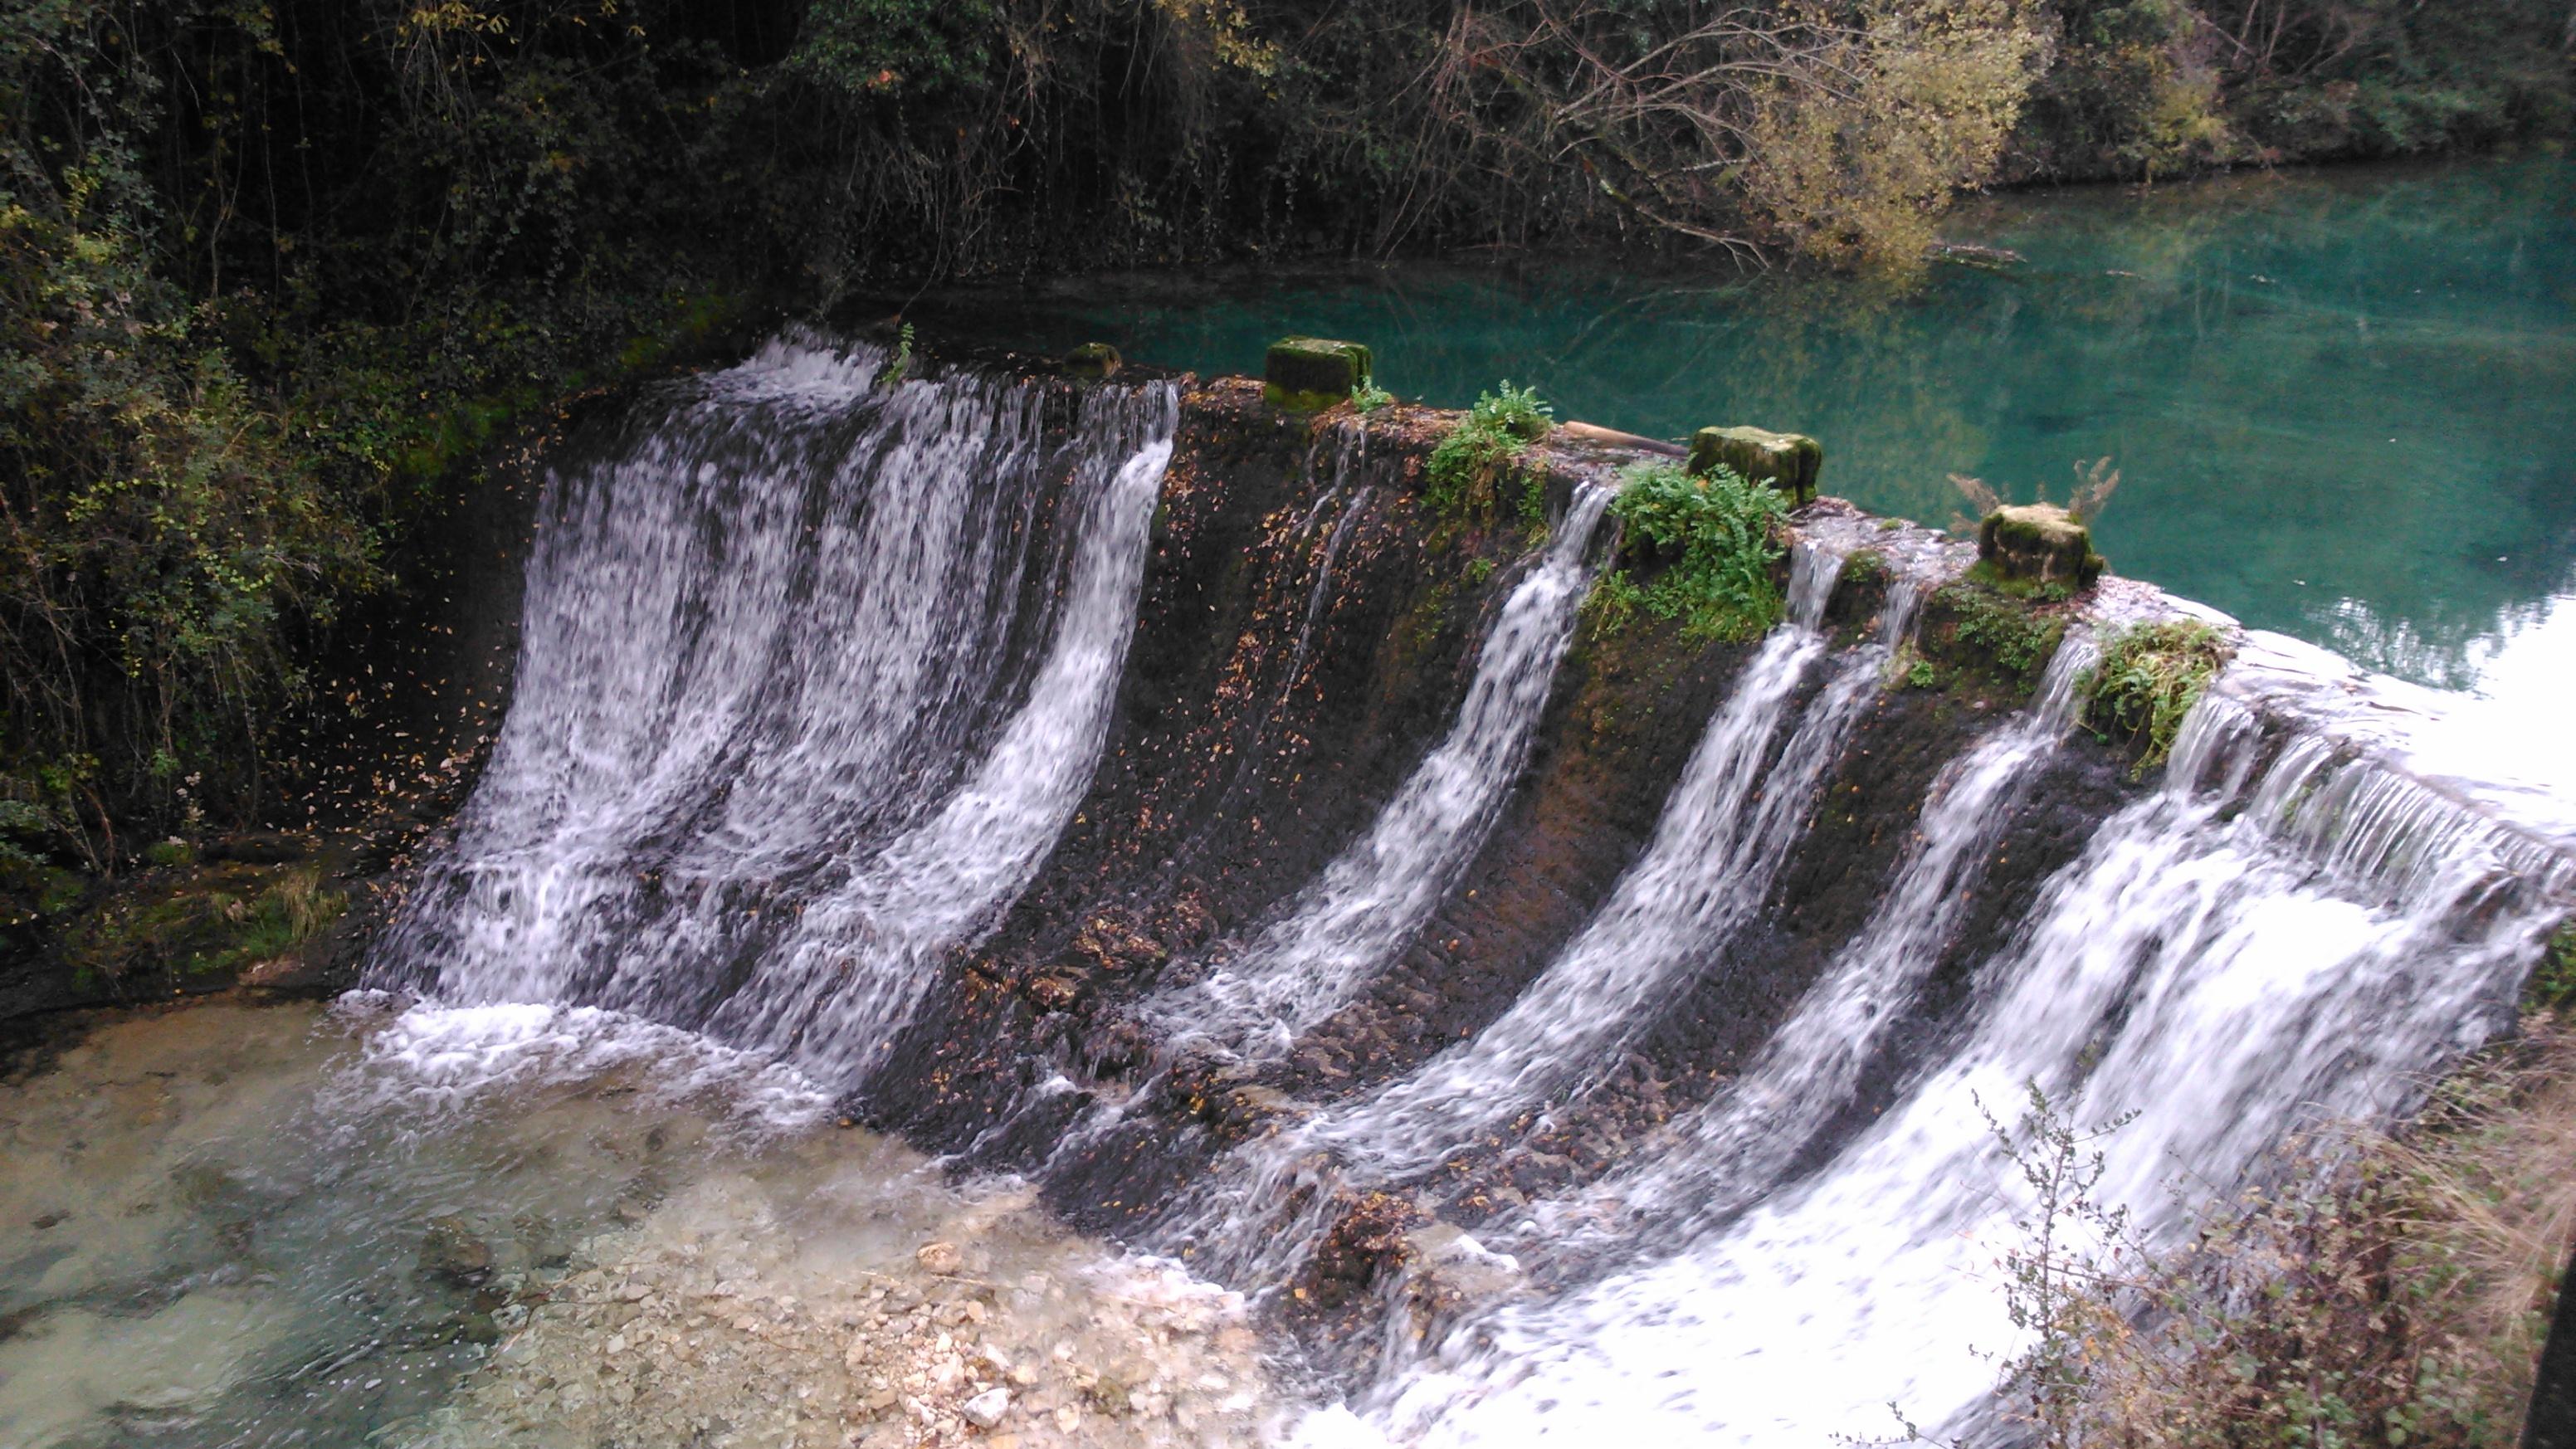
(1241, 763)
(1238, 764)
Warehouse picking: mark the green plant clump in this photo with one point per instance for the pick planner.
(2553, 981)
(207, 924)
(1368, 397)
(2149, 678)
(1723, 534)
(899, 366)
(2016, 640)
(1466, 468)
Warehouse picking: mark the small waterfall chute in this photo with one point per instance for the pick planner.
(814, 671)
(1374, 897)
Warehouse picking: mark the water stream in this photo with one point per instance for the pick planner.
(2226, 961)
(771, 748)
(1371, 900)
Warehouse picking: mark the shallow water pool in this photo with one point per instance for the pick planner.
(524, 1225)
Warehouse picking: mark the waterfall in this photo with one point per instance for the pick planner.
(819, 664)
(1374, 897)
(1738, 1145)
(1718, 845)
(2258, 946)
(813, 674)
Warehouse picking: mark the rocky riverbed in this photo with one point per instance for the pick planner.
(714, 1320)
(526, 1226)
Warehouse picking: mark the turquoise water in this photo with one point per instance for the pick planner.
(2343, 403)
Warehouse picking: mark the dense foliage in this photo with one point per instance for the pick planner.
(2150, 87)
(269, 272)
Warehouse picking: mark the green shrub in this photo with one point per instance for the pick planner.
(2149, 677)
(1718, 535)
(1517, 411)
(1614, 600)
(1368, 397)
(2553, 981)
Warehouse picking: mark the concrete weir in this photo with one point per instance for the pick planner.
(1149, 790)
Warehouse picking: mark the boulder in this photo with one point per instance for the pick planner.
(2038, 543)
(1790, 462)
(1093, 359)
(1312, 373)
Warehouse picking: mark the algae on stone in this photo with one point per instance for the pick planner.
(1790, 462)
(2038, 544)
(1094, 360)
(1309, 374)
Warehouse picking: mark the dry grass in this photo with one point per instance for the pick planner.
(2095, 482)
(2488, 1206)
(305, 906)
(2395, 1288)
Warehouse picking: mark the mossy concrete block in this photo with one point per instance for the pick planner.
(2038, 543)
(1093, 359)
(1790, 462)
(1310, 373)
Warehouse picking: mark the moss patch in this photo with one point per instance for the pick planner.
(1866, 568)
(1093, 359)
(1790, 462)
(2041, 545)
(1989, 638)
(1308, 374)
(2149, 678)
(202, 924)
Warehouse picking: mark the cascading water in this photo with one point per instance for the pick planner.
(1716, 848)
(817, 670)
(1375, 896)
(1739, 1145)
(813, 676)
(2239, 954)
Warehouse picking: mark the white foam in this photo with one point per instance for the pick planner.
(449, 1058)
